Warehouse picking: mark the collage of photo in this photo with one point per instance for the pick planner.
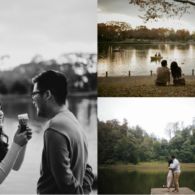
(146, 90)
(97, 97)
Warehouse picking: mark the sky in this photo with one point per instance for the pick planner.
(46, 27)
(152, 114)
(114, 10)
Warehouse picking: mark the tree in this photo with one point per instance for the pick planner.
(137, 146)
(3, 87)
(20, 87)
(183, 35)
(155, 9)
(37, 59)
(171, 129)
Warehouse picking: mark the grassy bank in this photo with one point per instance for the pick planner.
(147, 167)
(142, 86)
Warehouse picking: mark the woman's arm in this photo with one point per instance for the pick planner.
(19, 159)
(20, 140)
(21, 155)
(8, 162)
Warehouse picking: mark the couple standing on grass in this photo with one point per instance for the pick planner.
(64, 166)
(163, 74)
(173, 174)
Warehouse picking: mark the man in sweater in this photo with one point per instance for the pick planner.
(64, 168)
(176, 173)
(163, 74)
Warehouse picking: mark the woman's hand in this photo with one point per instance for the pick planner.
(29, 133)
(22, 138)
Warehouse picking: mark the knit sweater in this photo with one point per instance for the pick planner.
(64, 156)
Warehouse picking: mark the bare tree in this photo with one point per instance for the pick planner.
(168, 130)
(155, 9)
(172, 128)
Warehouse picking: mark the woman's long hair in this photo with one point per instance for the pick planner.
(170, 161)
(175, 70)
(3, 140)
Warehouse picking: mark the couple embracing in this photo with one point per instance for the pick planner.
(64, 166)
(173, 174)
(163, 74)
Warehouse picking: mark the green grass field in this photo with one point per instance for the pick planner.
(148, 167)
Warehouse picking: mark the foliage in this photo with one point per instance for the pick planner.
(78, 68)
(113, 31)
(20, 87)
(3, 88)
(120, 143)
(155, 9)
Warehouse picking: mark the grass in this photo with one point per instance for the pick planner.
(142, 86)
(147, 167)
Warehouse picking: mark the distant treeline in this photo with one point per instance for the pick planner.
(80, 76)
(120, 143)
(120, 31)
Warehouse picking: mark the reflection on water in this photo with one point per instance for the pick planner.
(118, 59)
(121, 182)
(24, 181)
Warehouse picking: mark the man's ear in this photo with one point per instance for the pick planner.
(47, 95)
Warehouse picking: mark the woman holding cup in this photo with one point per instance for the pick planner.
(12, 158)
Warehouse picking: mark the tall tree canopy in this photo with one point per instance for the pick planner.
(120, 143)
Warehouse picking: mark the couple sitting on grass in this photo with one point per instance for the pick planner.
(163, 74)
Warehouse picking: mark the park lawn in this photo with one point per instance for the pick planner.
(142, 86)
(147, 167)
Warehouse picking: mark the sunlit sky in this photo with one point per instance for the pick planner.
(152, 114)
(46, 27)
(114, 10)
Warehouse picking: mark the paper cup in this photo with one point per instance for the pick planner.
(23, 121)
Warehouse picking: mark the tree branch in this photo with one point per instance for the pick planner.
(186, 1)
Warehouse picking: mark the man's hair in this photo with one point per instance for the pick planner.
(54, 81)
(164, 63)
(172, 156)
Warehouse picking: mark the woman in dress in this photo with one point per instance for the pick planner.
(12, 158)
(170, 175)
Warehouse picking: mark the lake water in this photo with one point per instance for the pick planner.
(133, 182)
(119, 59)
(24, 181)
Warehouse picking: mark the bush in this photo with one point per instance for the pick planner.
(3, 88)
(19, 87)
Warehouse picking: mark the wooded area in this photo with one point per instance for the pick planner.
(80, 73)
(121, 143)
(120, 31)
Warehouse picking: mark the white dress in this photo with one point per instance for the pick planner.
(169, 178)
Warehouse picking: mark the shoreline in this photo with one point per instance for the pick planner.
(148, 42)
(142, 86)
